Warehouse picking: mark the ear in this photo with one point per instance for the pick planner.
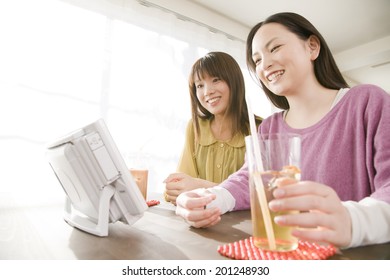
(314, 46)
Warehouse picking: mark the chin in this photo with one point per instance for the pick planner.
(277, 91)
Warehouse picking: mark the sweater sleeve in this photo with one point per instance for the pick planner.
(370, 221)
(238, 186)
(377, 117)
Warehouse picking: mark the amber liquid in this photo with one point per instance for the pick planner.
(284, 240)
(140, 177)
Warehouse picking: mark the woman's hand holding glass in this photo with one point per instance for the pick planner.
(322, 216)
(191, 206)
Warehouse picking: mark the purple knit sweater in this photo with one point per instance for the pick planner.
(348, 150)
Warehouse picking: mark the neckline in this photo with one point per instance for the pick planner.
(339, 95)
(207, 138)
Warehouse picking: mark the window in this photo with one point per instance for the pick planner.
(64, 66)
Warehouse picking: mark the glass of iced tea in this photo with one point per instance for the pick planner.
(280, 158)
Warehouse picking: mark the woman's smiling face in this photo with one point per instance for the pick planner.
(283, 61)
(213, 94)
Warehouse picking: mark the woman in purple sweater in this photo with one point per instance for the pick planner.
(345, 186)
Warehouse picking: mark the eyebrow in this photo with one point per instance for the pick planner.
(266, 45)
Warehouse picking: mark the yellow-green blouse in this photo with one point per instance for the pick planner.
(211, 159)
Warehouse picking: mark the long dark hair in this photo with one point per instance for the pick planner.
(225, 67)
(325, 68)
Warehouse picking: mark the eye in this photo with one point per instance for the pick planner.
(216, 79)
(198, 86)
(275, 48)
(257, 61)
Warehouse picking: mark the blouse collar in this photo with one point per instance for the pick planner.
(207, 138)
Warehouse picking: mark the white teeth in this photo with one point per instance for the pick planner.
(274, 75)
(212, 100)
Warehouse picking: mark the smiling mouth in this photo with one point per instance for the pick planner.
(275, 76)
(211, 101)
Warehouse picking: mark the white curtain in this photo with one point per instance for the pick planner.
(64, 64)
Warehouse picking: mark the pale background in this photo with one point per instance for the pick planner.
(64, 64)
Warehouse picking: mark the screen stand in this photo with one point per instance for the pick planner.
(84, 223)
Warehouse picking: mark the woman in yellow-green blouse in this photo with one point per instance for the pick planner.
(214, 146)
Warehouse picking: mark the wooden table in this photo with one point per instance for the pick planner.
(41, 233)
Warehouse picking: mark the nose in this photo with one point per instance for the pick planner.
(266, 62)
(209, 89)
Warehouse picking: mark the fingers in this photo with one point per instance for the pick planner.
(313, 235)
(174, 177)
(320, 215)
(300, 203)
(288, 189)
(172, 188)
(172, 193)
(200, 218)
(305, 196)
(191, 206)
(281, 182)
(174, 185)
(170, 198)
(178, 183)
(317, 227)
(195, 199)
(319, 236)
(312, 219)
